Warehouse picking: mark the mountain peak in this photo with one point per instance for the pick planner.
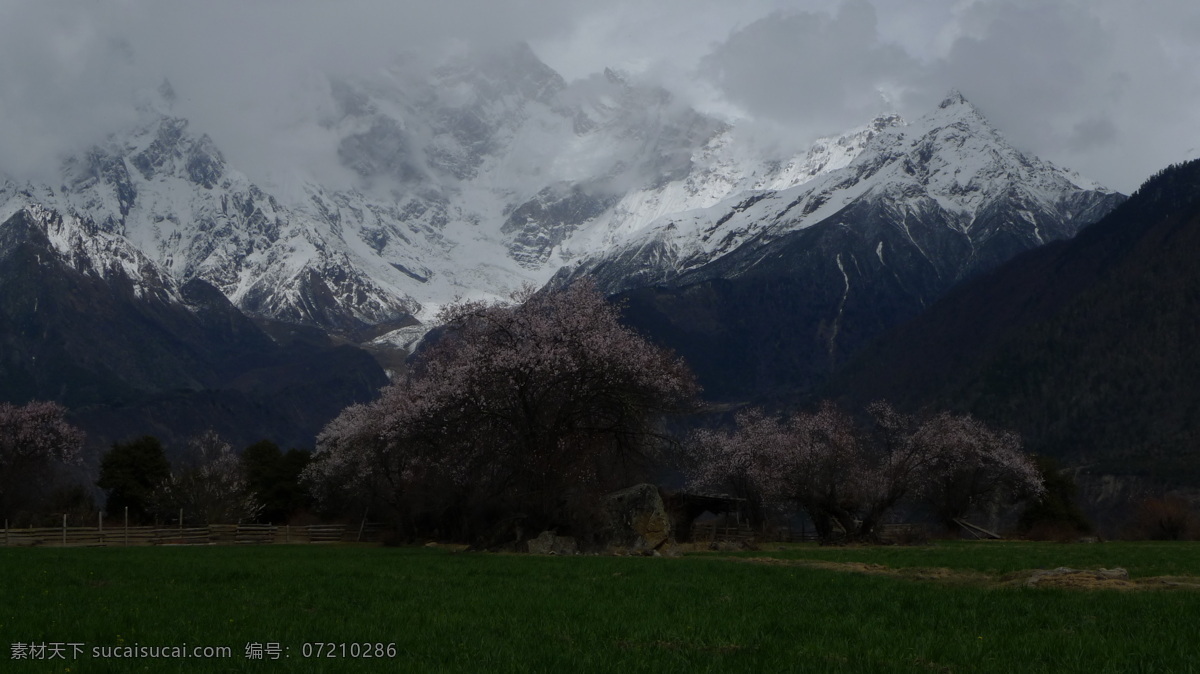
(956, 111)
(953, 97)
(512, 68)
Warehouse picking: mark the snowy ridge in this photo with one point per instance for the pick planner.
(722, 174)
(85, 248)
(950, 161)
(483, 176)
(491, 172)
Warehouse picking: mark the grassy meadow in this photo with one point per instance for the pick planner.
(952, 607)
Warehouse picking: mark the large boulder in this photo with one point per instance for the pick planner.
(636, 519)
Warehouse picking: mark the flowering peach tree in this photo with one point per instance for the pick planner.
(520, 411)
(849, 478)
(34, 439)
(973, 466)
(209, 486)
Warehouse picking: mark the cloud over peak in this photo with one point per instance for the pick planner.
(1104, 86)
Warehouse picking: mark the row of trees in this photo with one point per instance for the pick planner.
(849, 477)
(525, 415)
(210, 483)
(41, 468)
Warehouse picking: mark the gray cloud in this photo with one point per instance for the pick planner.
(1046, 74)
(1106, 87)
(66, 80)
(1091, 133)
(247, 72)
(1102, 86)
(818, 71)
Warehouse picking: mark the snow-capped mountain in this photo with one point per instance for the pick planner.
(86, 249)
(960, 195)
(470, 179)
(768, 292)
(158, 286)
(490, 172)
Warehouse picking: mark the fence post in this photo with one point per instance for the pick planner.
(100, 528)
(127, 526)
(64, 528)
(6, 533)
(181, 521)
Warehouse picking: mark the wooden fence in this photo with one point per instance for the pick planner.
(709, 532)
(213, 534)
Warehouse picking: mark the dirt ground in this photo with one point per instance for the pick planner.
(1075, 579)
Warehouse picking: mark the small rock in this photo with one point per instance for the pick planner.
(547, 543)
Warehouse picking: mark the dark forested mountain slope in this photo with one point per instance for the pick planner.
(1088, 347)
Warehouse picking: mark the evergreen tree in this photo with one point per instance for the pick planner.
(274, 477)
(130, 472)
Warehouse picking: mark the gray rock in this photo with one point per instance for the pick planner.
(637, 520)
(548, 543)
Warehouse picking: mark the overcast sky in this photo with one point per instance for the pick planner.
(1106, 87)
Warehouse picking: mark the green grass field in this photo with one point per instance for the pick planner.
(473, 612)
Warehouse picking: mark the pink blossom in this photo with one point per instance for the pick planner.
(34, 438)
(523, 402)
(850, 478)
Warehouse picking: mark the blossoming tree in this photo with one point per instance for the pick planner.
(972, 466)
(34, 439)
(849, 478)
(521, 413)
(209, 488)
